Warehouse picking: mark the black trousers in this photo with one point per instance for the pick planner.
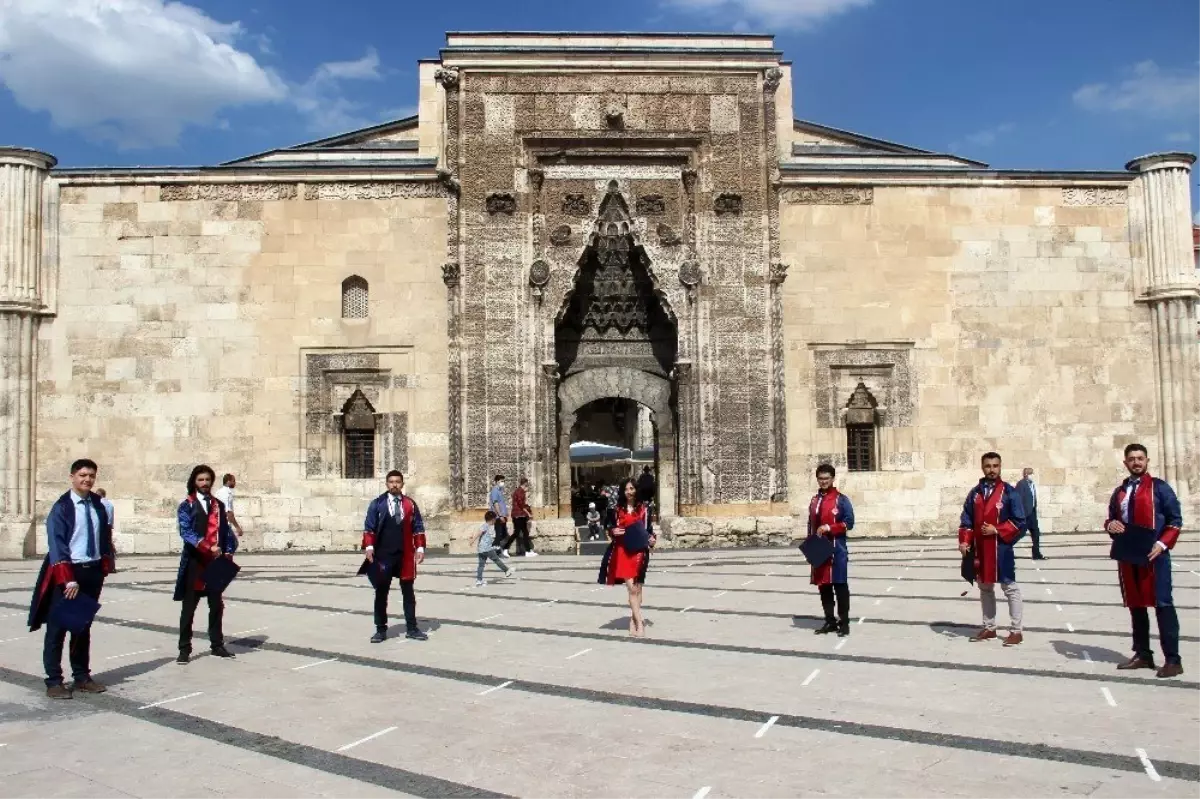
(521, 534)
(842, 592)
(1035, 533)
(410, 605)
(1168, 632)
(91, 581)
(502, 540)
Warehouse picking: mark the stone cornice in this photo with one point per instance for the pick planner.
(898, 176)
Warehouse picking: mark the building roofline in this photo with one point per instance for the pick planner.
(330, 140)
(866, 141)
(633, 34)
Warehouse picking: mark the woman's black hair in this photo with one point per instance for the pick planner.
(196, 472)
(622, 501)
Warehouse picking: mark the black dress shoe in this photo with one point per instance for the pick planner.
(843, 629)
(379, 636)
(183, 658)
(221, 652)
(416, 635)
(1038, 556)
(830, 627)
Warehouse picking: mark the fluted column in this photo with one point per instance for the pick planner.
(1171, 292)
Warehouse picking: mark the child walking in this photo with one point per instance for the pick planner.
(484, 541)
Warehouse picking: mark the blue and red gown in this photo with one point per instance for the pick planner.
(1158, 510)
(994, 557)
(199, 531)
(618, 564)
(834, 509)
(57, 569)
(412, 526)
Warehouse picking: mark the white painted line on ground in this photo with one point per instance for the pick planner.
(889, 589)
(878, 601)
(167, 701)
(577, 654)
(930, 538)
(703, 792)
(247, 632)
(841, 643)
(310, 665)
(763, 729)
(747, 582)
(685, 610)
(769, 574)
(1193, 571)
(690, 565)
(810, 677)
(1043, 579)
(496, 687)
(9, 640)
(1048, 591)
(597, 588)
(551, 602)
(130, 654)
(1058, 608)
(1087, 656)
(364, 740)
(1070, 627)
(489, 618)
(1146, 764)
(293, 596)
(1108, 697)
(720, 593)
(861, 619)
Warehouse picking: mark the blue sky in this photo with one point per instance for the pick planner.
(1072, 84)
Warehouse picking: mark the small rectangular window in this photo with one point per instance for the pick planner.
(360, 454)
(860, 447)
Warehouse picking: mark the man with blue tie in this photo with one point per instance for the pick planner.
(1027, 489)
(80, 554)
(394, 542)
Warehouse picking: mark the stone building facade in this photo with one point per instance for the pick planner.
(570, 218)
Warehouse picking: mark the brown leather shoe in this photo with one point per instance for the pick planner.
(983, 635)
(1013, 639)
(59, 691)
(1170, 670)
(91, 687)
(1136, 662)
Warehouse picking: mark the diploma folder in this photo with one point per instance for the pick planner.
(1134, 545)
(817, 550)
(636, 538)
(968, 566)
(219, 574)
(75, 615)
(376, 572)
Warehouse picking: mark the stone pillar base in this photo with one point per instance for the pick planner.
(16, 539)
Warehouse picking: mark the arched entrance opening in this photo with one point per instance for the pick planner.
(616, 344)
(613, 439)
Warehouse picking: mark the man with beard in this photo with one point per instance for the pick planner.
(394, 540)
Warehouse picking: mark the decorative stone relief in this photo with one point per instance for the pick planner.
(771, 79)
(827, 195)
(1093, 196)
(650, 205)
(668, 236)
(451, 273)
(576, 205)
(886, 371)
(394, 430)
(614, 116)
(448, 77)
(174, 192)
(561, 235)
(778, 273)
(499, 203)
(727, 204)
(689, 274)
(539, 276)
(344, 190)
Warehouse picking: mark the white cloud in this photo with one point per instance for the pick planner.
(983, 138)
(137, 72)
(1181, 136)
(1147, 90)
(773, 14)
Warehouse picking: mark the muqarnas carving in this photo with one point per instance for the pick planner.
(651, 205)
(668, 236)
(561, 235)
(727, 203)
(576, 205)
(501, 204)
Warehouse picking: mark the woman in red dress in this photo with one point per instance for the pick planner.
(628, 555)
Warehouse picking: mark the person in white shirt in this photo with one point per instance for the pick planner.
(225, 494)
(108, 506)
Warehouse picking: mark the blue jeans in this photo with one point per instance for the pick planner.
(483, 559)
(91, 581)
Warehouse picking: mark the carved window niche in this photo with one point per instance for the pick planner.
(358, 437)
(355, 298)
(861, 423)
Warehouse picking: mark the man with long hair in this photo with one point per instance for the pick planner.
(394, 540)
(204, 528)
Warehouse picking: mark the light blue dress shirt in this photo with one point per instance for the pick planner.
(79, 538)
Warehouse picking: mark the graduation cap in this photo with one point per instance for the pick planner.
(220, 574)
(636, 538)
(376, 572)
(1134, 545)
(75, 614)
(817, 550)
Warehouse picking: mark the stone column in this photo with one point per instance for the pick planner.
(22, 286)
(1171, 293)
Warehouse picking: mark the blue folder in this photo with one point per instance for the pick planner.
(636, 538)
(220, 574)
(1134, 545)
(817, 550)
(377, 572)
(75, 614)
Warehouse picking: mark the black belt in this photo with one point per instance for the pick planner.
(91, 564)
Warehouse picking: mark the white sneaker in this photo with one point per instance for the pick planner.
(504, 553)
(480, 583)
(531, 554)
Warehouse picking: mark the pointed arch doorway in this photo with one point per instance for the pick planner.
(616, 339)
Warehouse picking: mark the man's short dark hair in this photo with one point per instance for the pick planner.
(490, 516)
(497, 478)
(1136, 448)
(646, 469)
(987, 456)
(226, 478)
(826, 468)
(84, 463)
(394, 473)
(524, 481)
(196, 472)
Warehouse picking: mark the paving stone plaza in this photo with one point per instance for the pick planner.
(532, 687)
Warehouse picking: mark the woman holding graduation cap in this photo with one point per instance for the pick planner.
(628, 553)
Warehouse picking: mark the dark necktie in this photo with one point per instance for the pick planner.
(987, 490)
(91, 529)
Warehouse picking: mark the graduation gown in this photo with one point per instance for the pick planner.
(832, 508)
(1155, 507)
(56, 569)
(413, 531)
(196, 528)
(995, 561)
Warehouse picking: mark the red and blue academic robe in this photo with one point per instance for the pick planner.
(625, 560)
(56, 569)
(199, 531)
(1155, 507)
(995, 561)
(413, 531)
(834, 509)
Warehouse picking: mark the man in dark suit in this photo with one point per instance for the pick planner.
(1029, 500)
(79, 555)
(394, 535)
